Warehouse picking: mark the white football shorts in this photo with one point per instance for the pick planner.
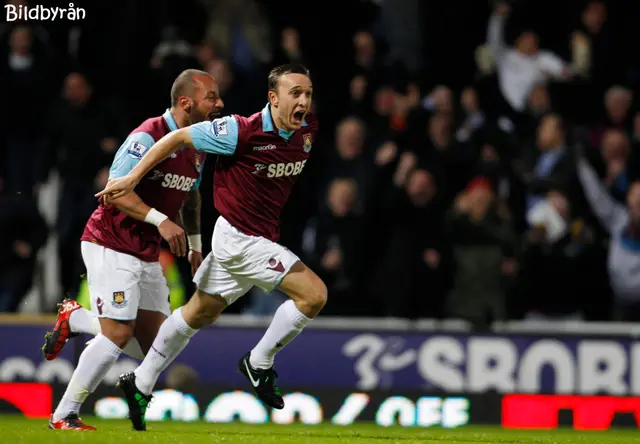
(239, 261)
(121, 284)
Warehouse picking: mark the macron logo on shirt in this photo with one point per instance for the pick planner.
(264, 148)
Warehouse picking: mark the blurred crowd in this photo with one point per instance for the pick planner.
(469, 159)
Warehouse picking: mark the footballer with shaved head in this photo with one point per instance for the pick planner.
(121, 247)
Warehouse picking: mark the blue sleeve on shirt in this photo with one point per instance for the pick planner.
(130, 153)
(217, 137)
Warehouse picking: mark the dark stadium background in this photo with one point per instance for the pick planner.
(384, 270)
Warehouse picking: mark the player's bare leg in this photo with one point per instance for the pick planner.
(95, 361)
(308, 296)
(173, 336)
(148, 324)
(306, 289)
(73, 320)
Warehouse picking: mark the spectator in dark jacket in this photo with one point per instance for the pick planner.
(23, 232)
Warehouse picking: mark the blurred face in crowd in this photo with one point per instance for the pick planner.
(527, 43)
(539, 101)
(413, 95)
(633, 201)
(615, 146)
(205, 102)
(594, 16)
(617, 102)
(421, 188)
(221, 71)
(76, 89)
(480, 198)
(342, 196)
(385, 101)
(469, 101)
(206, 53)
(364, 46)
(443, 98)
(350, 139)
(292, 99)
(20, 41)
(440, 128)
(549, 133)
(290, 40)
(358, 88)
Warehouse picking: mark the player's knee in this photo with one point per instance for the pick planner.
(203, 309)
(317, 297)
(209, 315)
(120, 333)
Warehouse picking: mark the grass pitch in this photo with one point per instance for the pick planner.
(16, 429)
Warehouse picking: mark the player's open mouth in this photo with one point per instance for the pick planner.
(298, 116)
(213, 115)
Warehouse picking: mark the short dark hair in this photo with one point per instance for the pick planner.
(279, 71)
(183, 84)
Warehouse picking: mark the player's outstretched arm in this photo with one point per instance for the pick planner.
(162, 149)
(131, 204)
(217, 137)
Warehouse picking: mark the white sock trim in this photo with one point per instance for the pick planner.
(297, 317)
(182, 325)
(108, 346)
(286, 324)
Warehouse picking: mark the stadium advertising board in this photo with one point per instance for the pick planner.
(312, 406)
(222, 405)
(581, 412)
(368, 361)
(315, 406)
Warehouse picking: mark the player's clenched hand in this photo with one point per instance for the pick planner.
(174, 235)
(118, 187)
(195, 259)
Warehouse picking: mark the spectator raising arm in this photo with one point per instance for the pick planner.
(611, 214)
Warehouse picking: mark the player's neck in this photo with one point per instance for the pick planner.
(275, 116)
(181, 118)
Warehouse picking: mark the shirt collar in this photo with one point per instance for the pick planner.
(168, 117)
(267, 121)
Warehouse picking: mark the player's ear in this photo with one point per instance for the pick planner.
(273, 98)
(185, 104)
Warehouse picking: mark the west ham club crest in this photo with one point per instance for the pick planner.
(307, 142)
